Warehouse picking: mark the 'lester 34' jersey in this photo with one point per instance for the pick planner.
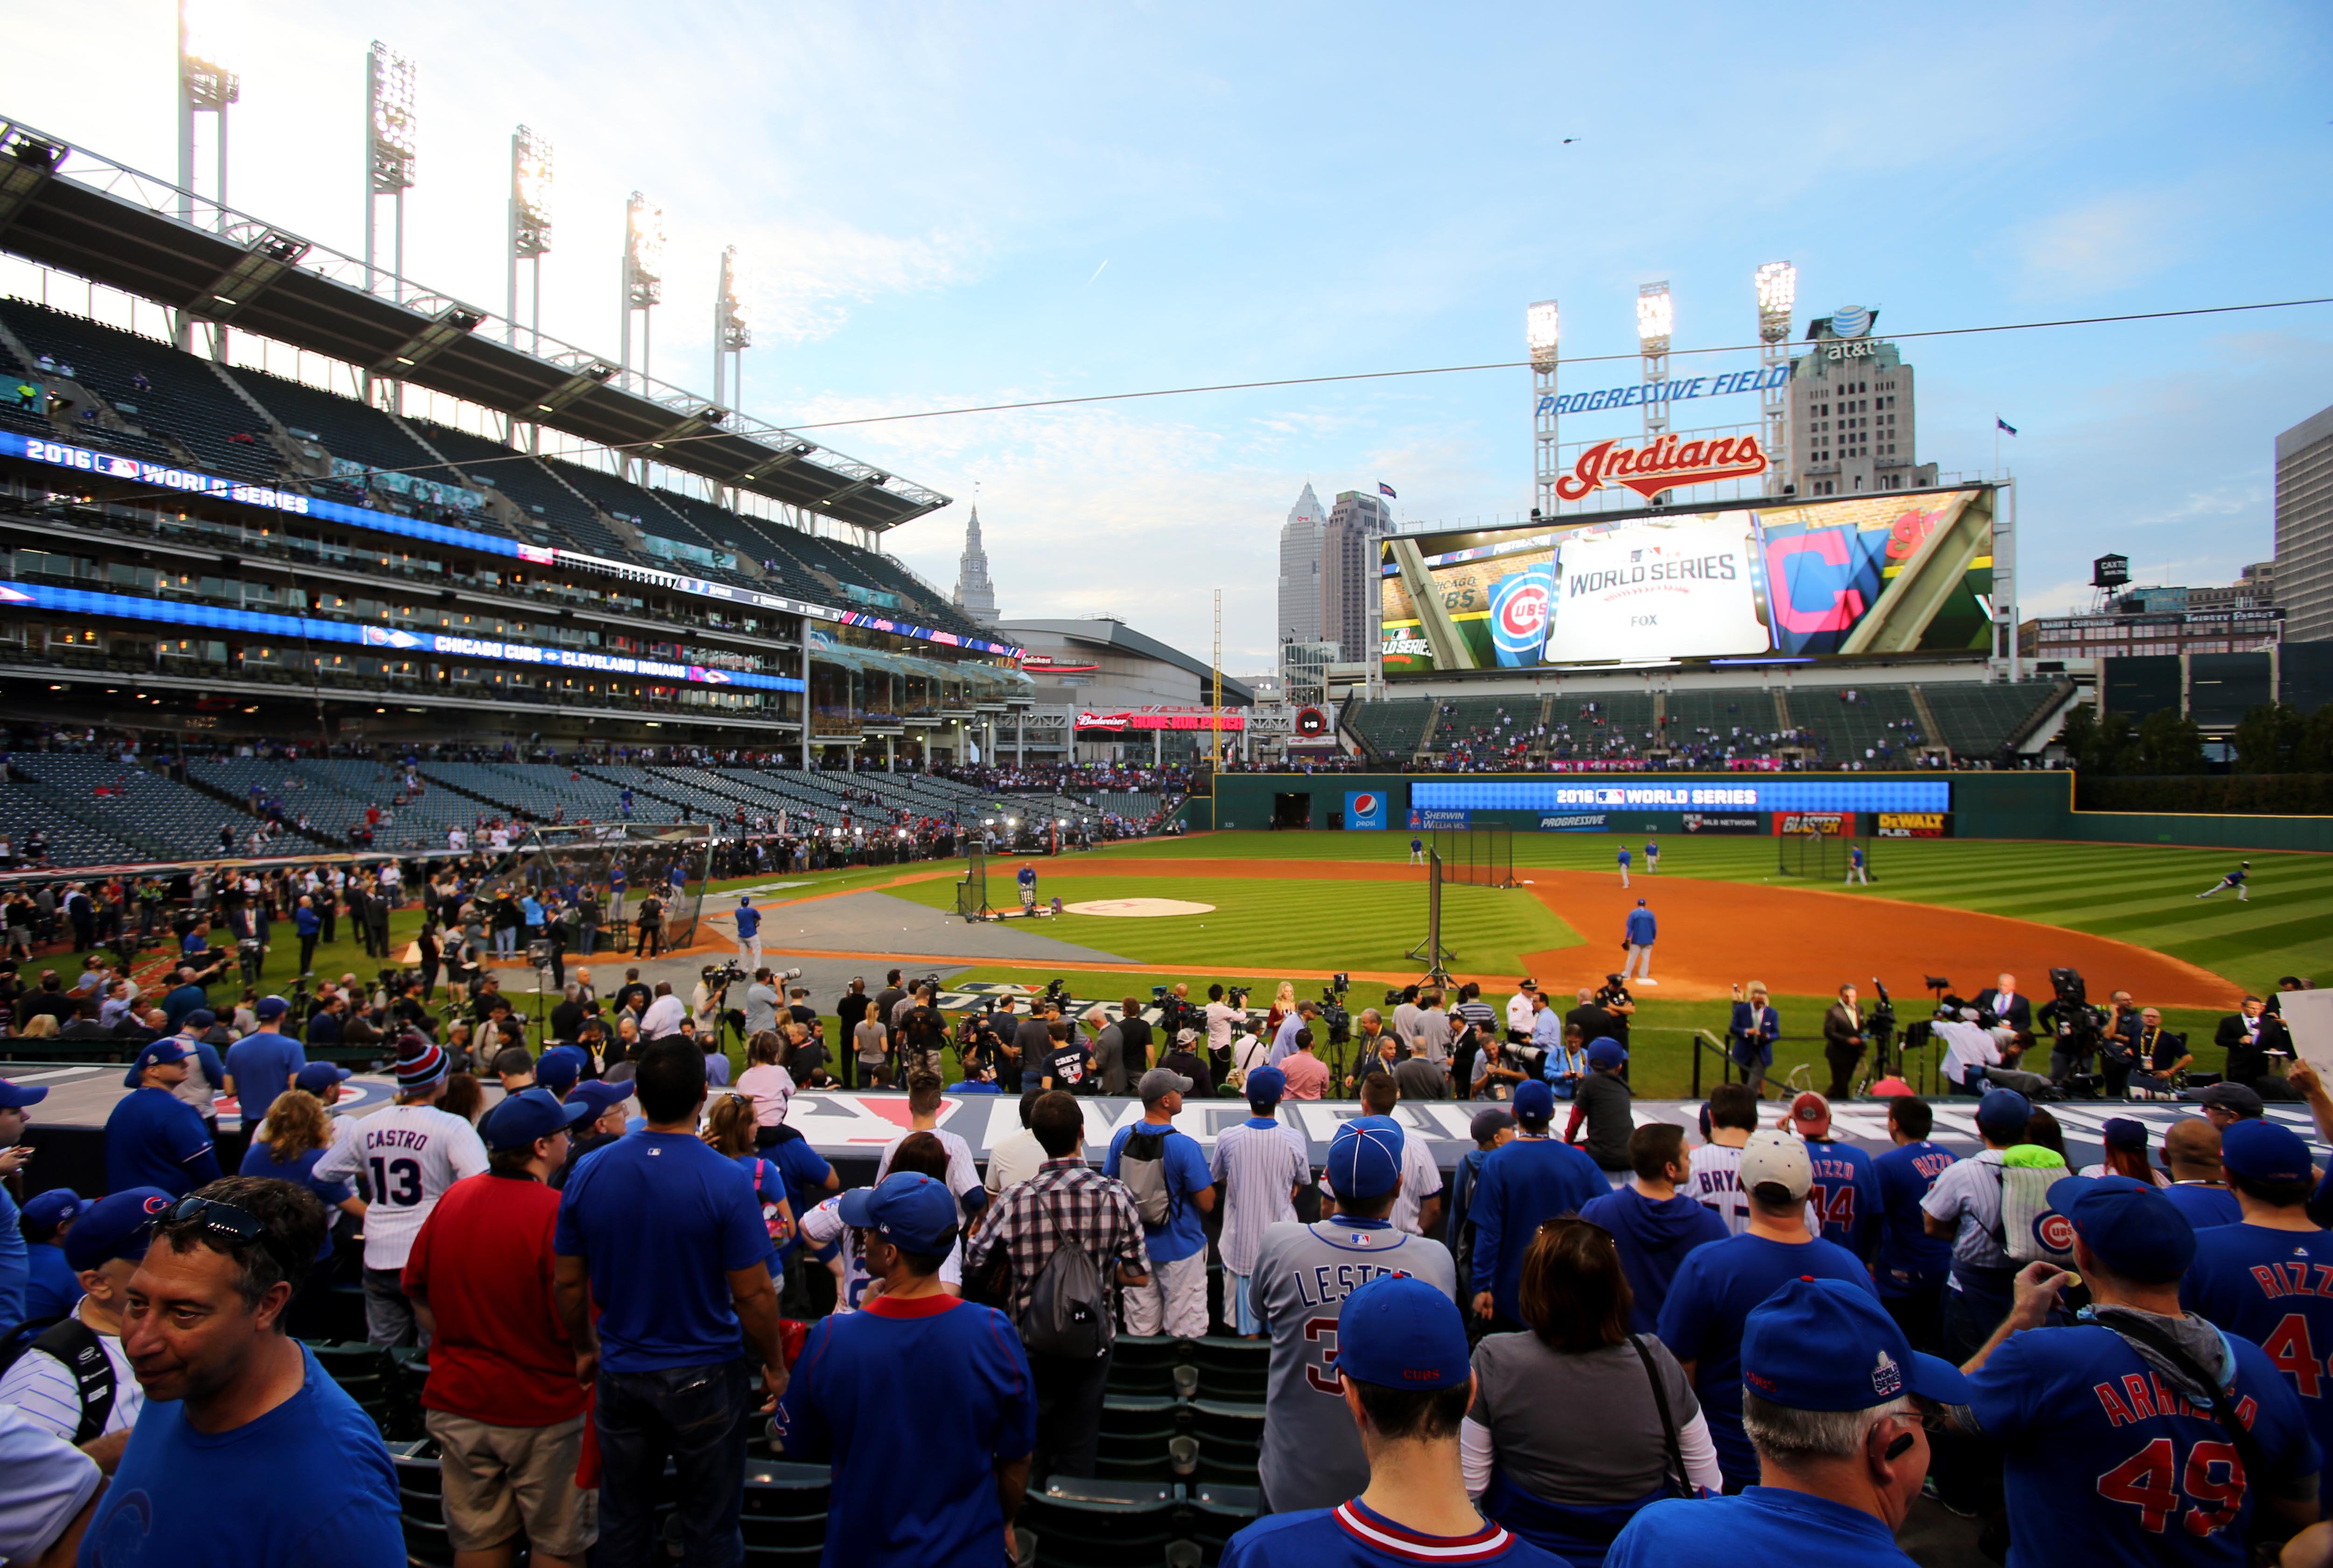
(1311, 1456)
(2274, 1288)
(2108, 1464)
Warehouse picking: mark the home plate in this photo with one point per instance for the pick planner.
(1139, 908)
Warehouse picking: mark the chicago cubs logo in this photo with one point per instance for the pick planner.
(2054, 1232)
(156, 1205)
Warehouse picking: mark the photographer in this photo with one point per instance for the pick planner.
(2119, 1045)
(2075, 1026)
(1134, 1032)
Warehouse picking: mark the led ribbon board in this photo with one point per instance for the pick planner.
(1795, 795)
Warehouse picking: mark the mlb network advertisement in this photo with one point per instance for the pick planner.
(1860, 575)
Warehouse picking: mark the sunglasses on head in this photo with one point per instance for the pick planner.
(221, 1218)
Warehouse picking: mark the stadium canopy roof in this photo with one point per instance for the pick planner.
(1103, 633)
(64, 206)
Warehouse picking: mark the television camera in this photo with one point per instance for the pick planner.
(2076, 1030)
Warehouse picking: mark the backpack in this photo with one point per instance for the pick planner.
(1067, 1314)
(76, 1348)
(773, 1217)
(1142, 1166)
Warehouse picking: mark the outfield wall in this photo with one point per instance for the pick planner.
(2012, 805)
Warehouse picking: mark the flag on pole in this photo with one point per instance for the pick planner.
(1385, 489)
(2004, 425)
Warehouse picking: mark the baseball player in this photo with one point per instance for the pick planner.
(409, 1153)
(1312, 1456)
(1624, 866)
(1652, 857)
(1028, 880)
(749, 935)
(2235, 879)
(1856, 871)
(1417, 852)
(1639, 933)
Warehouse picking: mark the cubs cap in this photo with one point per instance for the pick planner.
(2263, 1151)
(558, 1068)
(163, 1051)
(1534, 1100)
(1265, 1086)
(1810, 1114)
(2003, 1112)
(201, 1018)
(530, 1114)
(1398, 1332)
(599, 1094)
(2134, 1229)
(44, 1211)
(1827, 1345)
(2241, 1099)
(1488, 1123)
(1776, 1158)
(115, 1227)
(908, 1209)
(271, 1008)
(318, 1076)
(1607, 1054)
(1365, 1157)
(16, 1097)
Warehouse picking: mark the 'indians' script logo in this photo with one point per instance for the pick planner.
(1667, 463)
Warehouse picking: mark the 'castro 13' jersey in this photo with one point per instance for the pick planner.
(408, 1155)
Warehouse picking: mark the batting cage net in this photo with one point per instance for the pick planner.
(1477, 857)
(972, 893)
(1820, 852)
(666, 862)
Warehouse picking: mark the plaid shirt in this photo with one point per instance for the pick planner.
(1066, 1201)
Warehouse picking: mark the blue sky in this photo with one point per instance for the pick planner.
(951, 205)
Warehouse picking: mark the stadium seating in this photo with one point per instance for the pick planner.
(71, 841)
(1978, 721)
(1870, 726)
(555, 511)
(165, 817)
(343, 426)
(1708, 726)
(1392, 727)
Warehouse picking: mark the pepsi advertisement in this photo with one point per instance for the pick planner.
(1857, 576)
(1364, 810)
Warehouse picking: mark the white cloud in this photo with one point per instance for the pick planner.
(2108, 241)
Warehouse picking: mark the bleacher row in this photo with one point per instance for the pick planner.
(148, 400)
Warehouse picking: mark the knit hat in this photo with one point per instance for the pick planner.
(420, 1062)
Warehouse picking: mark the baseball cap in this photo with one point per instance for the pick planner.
(2122, 1133)
(558, 1068)
(1778, 1158)
(1398, 1332)
(599, 1094)
(1488, 1122)
(530, 1114)
(16, 1097)
(165, 1050)
(318, 1076)
(1265, 1086)
(2263, 1151)
(2242, 1099)
(1365, 1157)
(1158, 1083)
(271, 1008)
(1534, 1100)
(2003, 1112)
(908, 1209)
(44, 1211)
(1827, 1345)
(1607, 1054)
(419, 1063)
(201, 1018)
(115, 1227)
(2135, 1230)
(1810, 1114)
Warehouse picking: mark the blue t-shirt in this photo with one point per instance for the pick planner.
(1910, 1259)
(259, 1159)
(53, 1287)
(15, 1266)
(2206, 1206)
(1762, 1525)
(1624, 855)
(2097, 1473)
(749, 923)
(154, 1139)
(1523, 1184)
(2274, 1288)
(805, 1173)
(1352, 1535)
(1846, 1196)
(662, 1219)
(309, 1482)
(1712, 1294)
(931, 1392)
(265, 1062)
(1185, 1231)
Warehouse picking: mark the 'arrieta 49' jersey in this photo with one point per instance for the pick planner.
(408, 1155)
(1311, 1456)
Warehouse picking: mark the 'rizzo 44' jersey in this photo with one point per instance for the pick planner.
(2107, 1462)
(2274, 1288)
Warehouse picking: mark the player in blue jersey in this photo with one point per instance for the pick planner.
(2238, 879)
(1522, 1185)
(1912, 1265)
(1719, 1286)
(1846, 1193)
(1027, 878)
(2141, 1435)
(2270, 1278)
(1407, 1380)
(1624, 866)
(1652, 856)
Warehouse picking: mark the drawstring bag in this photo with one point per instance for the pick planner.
(2030, 1230)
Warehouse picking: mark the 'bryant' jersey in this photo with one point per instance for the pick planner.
(1846, 1194)
(2274, 1288)
(1311, 1456)
(2107, 1463)
(822, 1228)
(1717, 1185)
(408, 1155)
(1355, 1536)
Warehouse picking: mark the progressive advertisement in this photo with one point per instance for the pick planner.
(1854, 576)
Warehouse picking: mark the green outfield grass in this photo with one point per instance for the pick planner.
(1303, 925)
(2143, 894)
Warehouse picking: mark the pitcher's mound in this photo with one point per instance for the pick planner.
(1138, 908)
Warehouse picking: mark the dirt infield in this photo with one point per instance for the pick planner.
(1800, 940)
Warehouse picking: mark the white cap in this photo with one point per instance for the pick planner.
(1777, 1157)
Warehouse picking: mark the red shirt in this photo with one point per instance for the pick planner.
(483, 1259)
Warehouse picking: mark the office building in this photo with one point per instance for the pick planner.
(1300, 570)
(2304, 527)
(974, 595)
(1349, 607)
(1852, 426)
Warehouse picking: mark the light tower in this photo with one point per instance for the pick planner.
(733, 332)
(1541, 332)
(205, 87)
(1654, 317)
(1777, 291)
(530, 225)
(388, 153)
(643, 275)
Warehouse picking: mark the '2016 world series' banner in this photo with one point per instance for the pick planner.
(1905, 572)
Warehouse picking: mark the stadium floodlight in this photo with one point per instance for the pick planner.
(205, 87)
(1542, 332)
(391, 148)
(643, 275)
(530, 223)
(1655, 315)
(733, 330)
(1777, 291)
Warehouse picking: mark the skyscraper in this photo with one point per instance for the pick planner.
(2304, 527)
(1350, 608)
(1299, 569)
(974, 595)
